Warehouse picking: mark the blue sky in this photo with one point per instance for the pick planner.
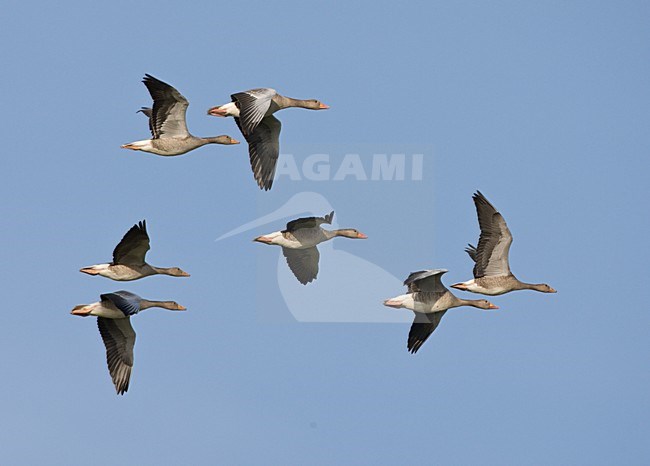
(543, 106)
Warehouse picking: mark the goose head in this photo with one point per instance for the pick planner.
(224, 139)
(314, 104)
(544, 288)
(169, 305)
(172, 306)
(176, 272)
(350, 233)
(484, 304)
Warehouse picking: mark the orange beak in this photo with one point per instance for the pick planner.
(361, 236)
(492, 306)
(262, 239)
(234, 141)
(323, 106)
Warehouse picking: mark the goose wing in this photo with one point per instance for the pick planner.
(263, 149)
(119, 339)
(426, 280)
(125, 301)
(422, 327)
(310, 222)
(253, 106)
(167, 118)
(133, 247)
(303, 263)
(491, 254)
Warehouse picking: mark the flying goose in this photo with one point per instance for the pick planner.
(114, 311)
(253, 112)
(299, 242)
(128, 259)
(429, 299)
(492, 274)
(325, 305)
(169, 134)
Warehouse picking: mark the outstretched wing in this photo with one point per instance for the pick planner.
(422, 327)
(494, 243)
(426, 280)
(119, 339)
(303, 263)
(125, 301)
(310, 222)
(133, 247)
(263, 149)
(253, 106)
(169, 107)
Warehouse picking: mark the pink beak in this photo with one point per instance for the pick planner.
(81, 311)
(217, 111)
(392, 303)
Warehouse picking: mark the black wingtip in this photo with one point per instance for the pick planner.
(413, 347)
(263, 183)
(265, 186)
(480, 199)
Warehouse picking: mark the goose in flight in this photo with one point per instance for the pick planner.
(114, 311)
(492, 275)
(253, 112)
(429, 299)
(169, 134)
(299, 242)
(349, 266)
(128, 259)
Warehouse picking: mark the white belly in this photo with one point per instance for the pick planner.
(108, 311)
